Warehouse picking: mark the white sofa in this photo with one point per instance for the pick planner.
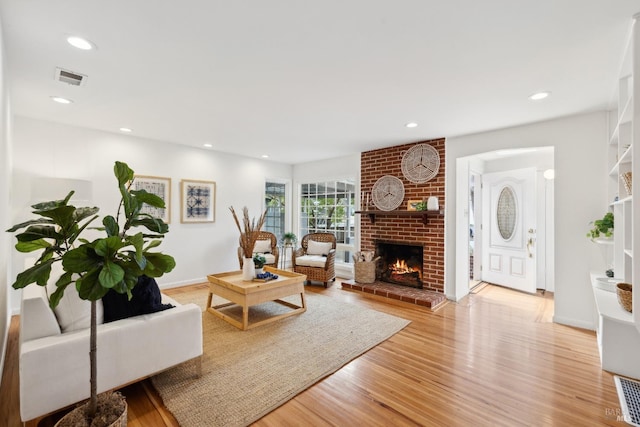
(54, 366)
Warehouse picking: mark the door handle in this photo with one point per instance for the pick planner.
(530, 243)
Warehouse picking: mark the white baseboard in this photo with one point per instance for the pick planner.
(575, 323)
(180, 283)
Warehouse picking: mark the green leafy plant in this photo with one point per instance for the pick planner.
(259, 260)
(289, 238)
(421, 206)
(601, 227)
(94, 267)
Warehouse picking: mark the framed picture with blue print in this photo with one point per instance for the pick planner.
(197, 201)
(161, 187)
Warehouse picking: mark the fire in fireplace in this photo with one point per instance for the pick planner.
(400, 263)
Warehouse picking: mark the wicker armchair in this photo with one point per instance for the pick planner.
(269, 250)
(316, 258)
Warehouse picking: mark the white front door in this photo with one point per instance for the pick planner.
(509, 226)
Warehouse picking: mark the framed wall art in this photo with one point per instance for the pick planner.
(197, 201)
(159, 186)
(412, 205)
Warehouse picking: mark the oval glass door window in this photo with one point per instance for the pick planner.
(506, 213)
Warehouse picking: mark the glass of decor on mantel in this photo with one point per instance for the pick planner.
(248, 235)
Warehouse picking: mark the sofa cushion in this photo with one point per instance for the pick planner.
(318, 248)
(72, 313)
(311, 260)
(262, 247)
(145, 299)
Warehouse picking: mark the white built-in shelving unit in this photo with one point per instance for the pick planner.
(618, 330)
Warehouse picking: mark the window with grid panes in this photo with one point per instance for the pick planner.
(274, 194)
(329, 207)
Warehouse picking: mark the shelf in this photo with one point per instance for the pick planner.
(627, 112)
(627, 199)
(423, 214)
(608, 305)
(624, 159)
(603, 241)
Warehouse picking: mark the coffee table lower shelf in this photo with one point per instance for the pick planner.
(232, 288)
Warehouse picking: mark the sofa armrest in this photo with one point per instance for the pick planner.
(37, 320)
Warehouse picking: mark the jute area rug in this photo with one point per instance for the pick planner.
(247, 374)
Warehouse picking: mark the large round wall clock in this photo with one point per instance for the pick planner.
(387, 193)
(420, 163)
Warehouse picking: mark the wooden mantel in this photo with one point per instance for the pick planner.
(424, 214)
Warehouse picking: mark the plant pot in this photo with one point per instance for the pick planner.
(112, 407)
(625, 296)
(248, 270)
(259, 270)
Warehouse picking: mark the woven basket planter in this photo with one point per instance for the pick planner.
(365, 271)
(625, 296)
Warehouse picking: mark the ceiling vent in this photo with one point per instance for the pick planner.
(70, 77)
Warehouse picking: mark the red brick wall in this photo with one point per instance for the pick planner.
(387, 161)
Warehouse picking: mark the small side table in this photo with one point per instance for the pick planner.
(283, 257)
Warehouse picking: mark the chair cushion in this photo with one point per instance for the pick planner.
(270, 258)
(318, 248)
(311, 260)
(262, 247)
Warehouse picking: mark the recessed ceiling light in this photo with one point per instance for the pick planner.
(411, 125)
(207, 145)
(127, 130)
(539, 95)
(265, 156)
(80, 43)
(61, 100)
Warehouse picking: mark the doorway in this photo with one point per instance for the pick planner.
(510, 223)
(475, 223)
(532, 241)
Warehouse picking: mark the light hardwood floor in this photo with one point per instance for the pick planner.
(494, 358)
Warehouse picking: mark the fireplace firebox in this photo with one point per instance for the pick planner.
(400, 263)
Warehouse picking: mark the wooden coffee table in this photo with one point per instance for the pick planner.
(231, 287)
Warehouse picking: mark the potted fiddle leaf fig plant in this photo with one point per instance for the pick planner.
(94, 267)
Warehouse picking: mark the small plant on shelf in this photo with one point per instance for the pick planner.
(602, 227)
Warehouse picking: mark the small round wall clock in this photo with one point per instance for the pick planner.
(420, 163)
(387, 193)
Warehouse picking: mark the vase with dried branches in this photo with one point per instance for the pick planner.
(249, 231)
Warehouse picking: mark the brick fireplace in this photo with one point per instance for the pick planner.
(400, 227)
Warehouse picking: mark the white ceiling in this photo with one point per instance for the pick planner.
(303, 80)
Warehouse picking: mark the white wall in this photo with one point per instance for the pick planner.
(44, 149)
(580, 192)
(5, 185)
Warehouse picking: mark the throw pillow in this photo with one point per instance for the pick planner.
(72, 312)
(145, 299)
(318, 248)
(262, 247)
